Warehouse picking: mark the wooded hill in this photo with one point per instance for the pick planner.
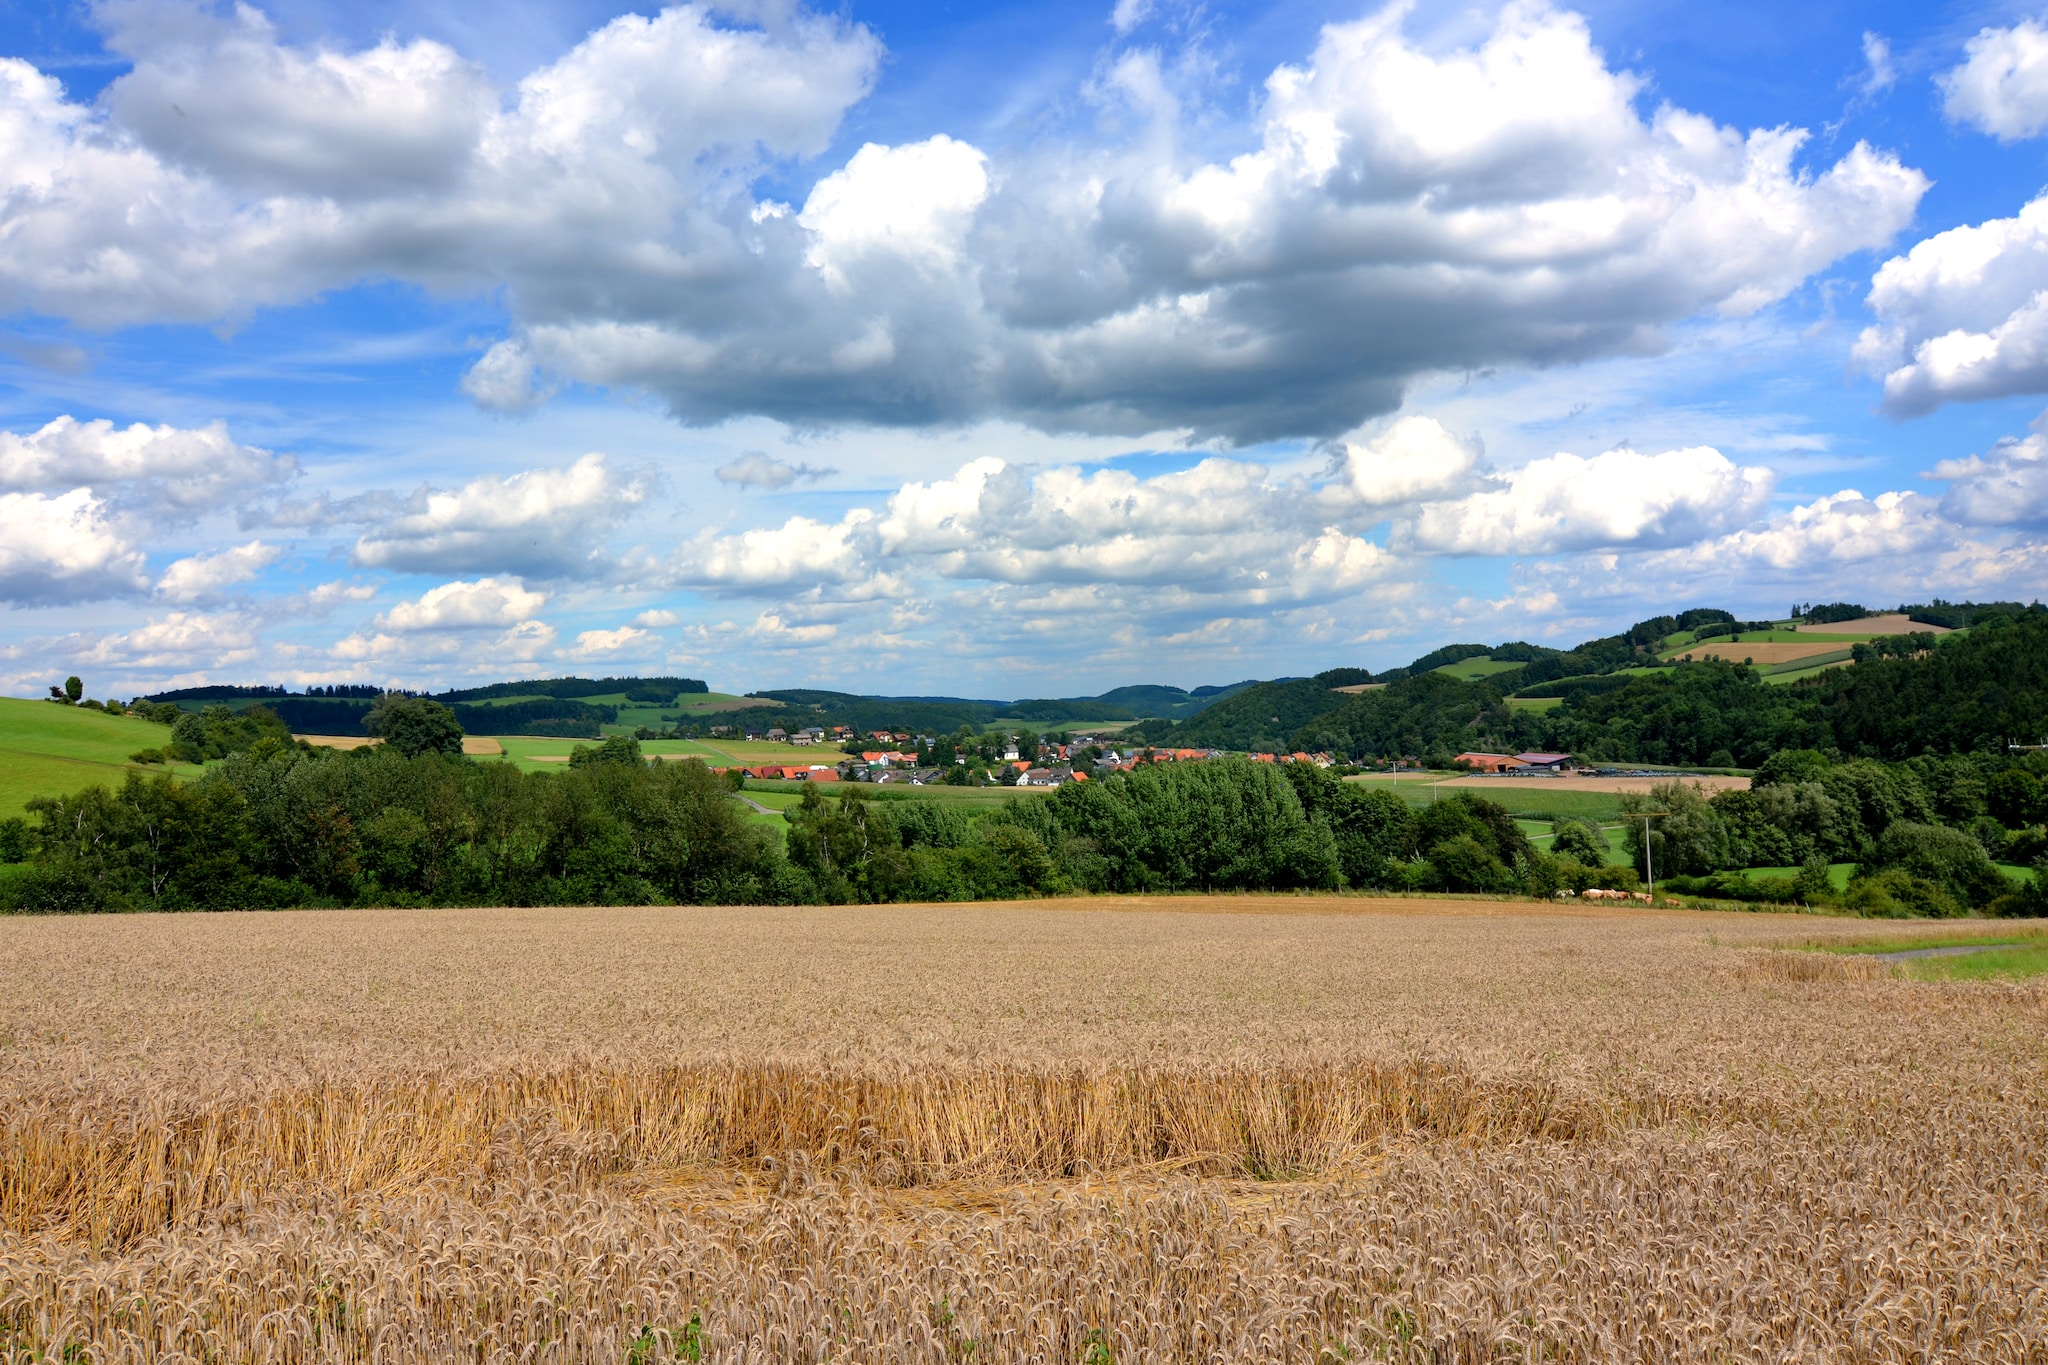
(1617, 699)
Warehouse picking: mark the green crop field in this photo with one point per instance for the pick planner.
(1534, 703)
(1805, 669)
(704, 703)
(1537, 802)
(1469, 670)
(48, 750)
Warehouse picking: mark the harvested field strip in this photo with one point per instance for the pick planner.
(1660, 1248)
(73, 1165)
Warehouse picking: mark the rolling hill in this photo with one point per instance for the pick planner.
(48, 750)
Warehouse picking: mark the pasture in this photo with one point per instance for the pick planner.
(48, 750)
(1291, 1128)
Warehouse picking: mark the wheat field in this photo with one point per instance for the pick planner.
(1094, 1131)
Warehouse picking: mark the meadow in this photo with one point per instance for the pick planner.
(50, 750)
(1100, 1130)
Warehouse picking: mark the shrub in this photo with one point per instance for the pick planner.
(1578, 840)
(1947, 858)
(1895, 893)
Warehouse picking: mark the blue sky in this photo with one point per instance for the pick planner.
(998, 349)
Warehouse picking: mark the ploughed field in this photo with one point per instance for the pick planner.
(1256, 1128)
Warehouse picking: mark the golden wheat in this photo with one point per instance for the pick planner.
(1288, 1129)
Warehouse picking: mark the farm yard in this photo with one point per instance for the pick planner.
(1247, 1128)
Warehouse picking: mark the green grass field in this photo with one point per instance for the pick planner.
(48, 750)
(2018, 952)
(1806, 669)
(1535, 803)
(1534, 703)
(1468, 670)
(1838, 873)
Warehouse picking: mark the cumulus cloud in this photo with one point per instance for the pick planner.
(2006, 486)
(504, 380)
(227, 170)
(800, 552)
(592, 644)
(911, 204)
(657, 618)
(1963, 315)
(540, 523)
(1220, 529)
(484, 602)
(1416, 458)
(176, 642)
(2001, 88)
(203, 576)
(1620, 498)
(63, 549)
(1838, 529)
(1404, 210)
(160, 470)
(756, 469)
(444, 653)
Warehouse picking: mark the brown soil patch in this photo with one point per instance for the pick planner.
(338, 741)
(1764, 652)
(1890, 623)
(1597, 784)
(476, 746)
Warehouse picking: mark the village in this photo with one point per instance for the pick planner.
(904, 758)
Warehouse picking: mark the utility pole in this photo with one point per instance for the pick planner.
(1649, 856)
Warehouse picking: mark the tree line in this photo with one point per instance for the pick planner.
(276, 826)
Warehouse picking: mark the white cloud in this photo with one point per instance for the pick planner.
(1413, 459)
(465, 606)
(657, 618)
(2002, 86)
(446, 653)
(1128, 14)
(1406, 210)
(592, 644)
(161, 470)
(176, 641)
(1620, 498)
(1879, 75)
(800, 552)
(1963, 315)
(1221, 528)
(2008, 486)
(543, 522)
(1838, 529)
(223, 98)
(910, 204)
(504, 380)
(756, 469)
(203, 576)
(63, 549)
(226, 170)
(328, 595)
